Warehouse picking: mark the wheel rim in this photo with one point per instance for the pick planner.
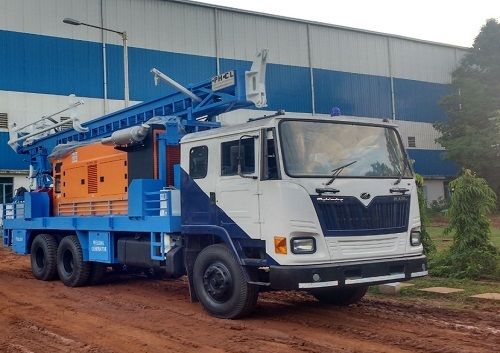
(68, 262)
(218, 282)
(40, 258)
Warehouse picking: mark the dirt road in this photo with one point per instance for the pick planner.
(133, 314)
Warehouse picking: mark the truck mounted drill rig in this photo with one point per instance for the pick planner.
(326, 205)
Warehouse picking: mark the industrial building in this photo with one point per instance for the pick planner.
(313, 67)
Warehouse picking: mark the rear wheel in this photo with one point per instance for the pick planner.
(220, 284)
(340, 296)
(73, 271)
(44, 257)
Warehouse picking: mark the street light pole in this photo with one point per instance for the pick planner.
(125, 68)
(123, 34)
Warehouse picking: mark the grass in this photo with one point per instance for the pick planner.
(459, 300)
(471, 287)
(442, 241)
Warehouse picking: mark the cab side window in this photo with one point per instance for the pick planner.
(198, 162)
(272, 163)
(230, 155)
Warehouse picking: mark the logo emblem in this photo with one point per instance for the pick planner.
(329, 199)
(365, 196)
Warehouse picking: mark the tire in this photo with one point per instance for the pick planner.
(97, 272)
(44, 257)
(340, 296)
(220, 284)
(73, 271)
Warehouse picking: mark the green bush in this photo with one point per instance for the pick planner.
(472, 254)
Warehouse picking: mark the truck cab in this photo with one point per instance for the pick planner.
(324, 204)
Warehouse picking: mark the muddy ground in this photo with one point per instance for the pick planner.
(134, 314)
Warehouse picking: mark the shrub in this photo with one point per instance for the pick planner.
(472, 254)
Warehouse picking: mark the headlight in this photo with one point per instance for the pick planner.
(303, 245)
(415, 237)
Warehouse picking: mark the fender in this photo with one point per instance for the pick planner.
(213, 230)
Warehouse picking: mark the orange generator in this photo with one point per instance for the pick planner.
(93, 179)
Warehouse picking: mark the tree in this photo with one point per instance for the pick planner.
(471, 134)
(472, 253)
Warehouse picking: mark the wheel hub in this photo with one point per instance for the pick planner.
(218, 282)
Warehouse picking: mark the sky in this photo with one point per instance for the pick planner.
(447, 21)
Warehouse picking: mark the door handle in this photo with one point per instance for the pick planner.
(213, 199)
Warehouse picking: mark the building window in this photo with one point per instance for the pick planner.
(230, 156)
(411, 141)
(4, 121)
(198, 162)
(66, 126)
(6, 189)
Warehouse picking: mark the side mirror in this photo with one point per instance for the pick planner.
(241, 156)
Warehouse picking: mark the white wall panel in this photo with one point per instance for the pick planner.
(424, 133)
(45, 17)
(434, 190)
(150, 24)
(241, 35)
(163, 25)
(349, 51)
(23, 108)
(188, 28)
(422, 61)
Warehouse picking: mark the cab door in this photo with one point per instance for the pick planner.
(237, 188)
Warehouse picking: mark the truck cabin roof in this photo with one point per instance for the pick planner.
(272, 121)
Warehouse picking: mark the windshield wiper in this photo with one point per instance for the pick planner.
(402, 174)
(337, 171)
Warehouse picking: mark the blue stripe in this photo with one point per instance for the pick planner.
(8, 158)
(354, 94)
(42, 64)
(431, 163)
(419, 101)
(51, 65)
(288, 87)
(183, 68)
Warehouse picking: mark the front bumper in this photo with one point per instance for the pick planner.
(306, 277)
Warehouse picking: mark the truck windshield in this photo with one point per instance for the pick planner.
(317, 148)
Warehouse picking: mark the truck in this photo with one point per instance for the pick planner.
(323, 204)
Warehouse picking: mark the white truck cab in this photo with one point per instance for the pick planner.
(331, 200)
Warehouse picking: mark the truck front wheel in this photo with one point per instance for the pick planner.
(73, 271)
(220, 284)
(340, 296)
(43, 257)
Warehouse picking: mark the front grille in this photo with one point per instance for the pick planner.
(346, 215)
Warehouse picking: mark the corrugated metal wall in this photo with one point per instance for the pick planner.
(313, 67)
